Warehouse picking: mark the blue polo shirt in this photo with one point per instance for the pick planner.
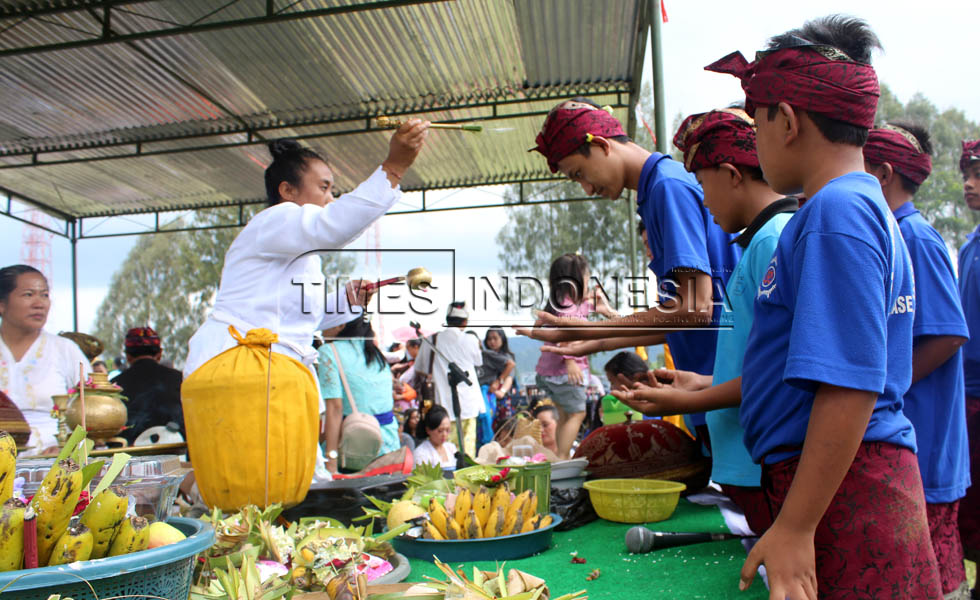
(835, 306)
(969, 263)
(682, 235)
(935, 403)
(731, 463)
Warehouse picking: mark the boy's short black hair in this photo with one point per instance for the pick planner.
(626, 363)
(853, 37)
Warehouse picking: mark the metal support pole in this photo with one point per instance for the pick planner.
(74, 275)
(659, 108)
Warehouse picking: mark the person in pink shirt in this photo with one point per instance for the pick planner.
(564, 378)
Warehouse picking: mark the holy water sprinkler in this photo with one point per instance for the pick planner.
(391, 123)
(418, 278)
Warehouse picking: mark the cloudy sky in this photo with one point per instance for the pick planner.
(928, 48)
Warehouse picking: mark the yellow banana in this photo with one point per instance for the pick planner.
(75, 544)
(472, 528)
(454, 530)
(514, 523)
(12, 535)
(132, 535)
(464, 502)
(530, 505)
(517, 504)
(103, 516)
(431, 531)
(530, 524)
(481, 504)
(495, 523)
(501, 497)
(54, 504)
(438, 516)
(8, 465)
(545, 521)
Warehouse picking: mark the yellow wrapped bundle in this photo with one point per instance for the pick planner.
(252, 425)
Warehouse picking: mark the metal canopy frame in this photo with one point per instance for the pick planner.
(251, 131)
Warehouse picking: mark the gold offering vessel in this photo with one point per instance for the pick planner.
(105, 412)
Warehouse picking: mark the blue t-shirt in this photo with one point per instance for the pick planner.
(835, 306)
(969, 269)
(731, 463)
(682, 235)
(935, 404)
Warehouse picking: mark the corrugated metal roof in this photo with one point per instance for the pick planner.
(176, 119)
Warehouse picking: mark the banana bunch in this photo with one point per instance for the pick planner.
(484, 515)
(54, 503)
(103, 516)
(8, 466)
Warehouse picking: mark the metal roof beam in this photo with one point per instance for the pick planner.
(392, 213)
(254, 137)
(270, 16)
(52, 7)
(54, 212)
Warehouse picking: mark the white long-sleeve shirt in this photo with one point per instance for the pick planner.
(49, 367)
(272, 274)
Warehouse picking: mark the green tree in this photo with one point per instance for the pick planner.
(169, 281)
(940, 199)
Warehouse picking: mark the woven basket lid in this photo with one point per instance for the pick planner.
(91, 346)
(13, 422)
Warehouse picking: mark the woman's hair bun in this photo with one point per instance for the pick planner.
(282, 147)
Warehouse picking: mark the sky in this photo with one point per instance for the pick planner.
(926, 47)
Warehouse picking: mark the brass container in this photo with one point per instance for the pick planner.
(105, 415)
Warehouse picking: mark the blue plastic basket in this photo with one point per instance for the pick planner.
(166, 571)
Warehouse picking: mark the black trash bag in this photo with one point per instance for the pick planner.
(574, 507)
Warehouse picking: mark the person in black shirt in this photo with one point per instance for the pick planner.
(151, 389)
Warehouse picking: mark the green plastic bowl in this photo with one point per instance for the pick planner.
(634, 500)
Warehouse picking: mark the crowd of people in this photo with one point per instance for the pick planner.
(826, 350)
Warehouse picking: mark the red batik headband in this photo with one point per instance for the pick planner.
(142, 337)
(971, 152)
(720, 136)
(900, 149)
(818, 79)
(568, 126)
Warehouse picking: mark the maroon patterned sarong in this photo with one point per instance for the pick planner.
(946, 543)
(754, 504)
(873, 541)
(970, 504)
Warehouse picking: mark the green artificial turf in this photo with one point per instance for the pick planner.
(708, 571)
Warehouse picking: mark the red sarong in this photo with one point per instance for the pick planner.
(946, 543)
(970, 504)
(754, 504)
(873, 541)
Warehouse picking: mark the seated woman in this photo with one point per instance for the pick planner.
(369, 377)
(34, 364)
(436, 449)
(547, 414)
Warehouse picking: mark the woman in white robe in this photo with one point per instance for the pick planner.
(34, 364)
(272, 274)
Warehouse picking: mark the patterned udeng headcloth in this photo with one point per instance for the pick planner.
(899, 148)
(720, 136)
(818, 79)
(568, 126)
(971, 152)
(142, 337)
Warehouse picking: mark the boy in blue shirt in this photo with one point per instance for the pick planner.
(692, 257)
(969, 270)
(898, 155)
(719, 148)
(829, 356)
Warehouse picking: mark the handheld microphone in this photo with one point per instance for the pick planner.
(639, 539)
